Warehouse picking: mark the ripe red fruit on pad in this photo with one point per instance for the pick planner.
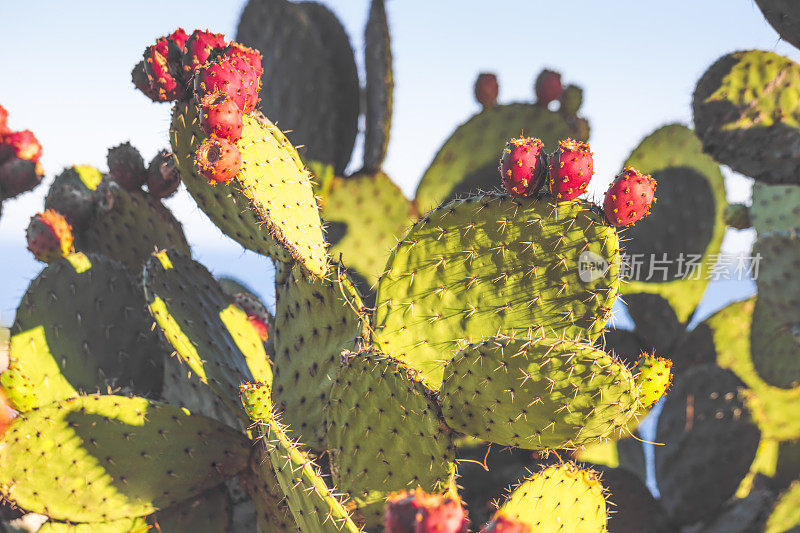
(487, 89)
(548, 87)
(3, 120)
(199, 47)
(629, 198)
(251, 55)
(501, 524)
(220, 75)
(220, 116)
(162, 64)
(523, 166)
(218, 159)
(49, 236)
(571, 169)
(418, 512)
(22, 144)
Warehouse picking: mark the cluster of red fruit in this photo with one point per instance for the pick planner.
(525, 166)
(223, 78)
(20, 170)
(126, 168)
(419, 512)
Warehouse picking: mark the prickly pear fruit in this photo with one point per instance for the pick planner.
(22, 144)
(220, 116)
(163, 177)
(548, 87)
(257, 314)
(571, 169)
(199, 47)
(126, 166)
(738, 216)
(487, 89)
(503, 524)
(6, 414)
(629, 198)
(571, 100)
(18, 176)
(49, 236)
(219, 160)
(251, 55)
(179, 37)
(142, 82)
(523, 166)
(418, 512)
(225, 75)
(162, 64)
(654, 378)
(3, 120)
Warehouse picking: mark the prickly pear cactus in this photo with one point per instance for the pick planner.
(775, 207)
(380, 86)
(784, 16)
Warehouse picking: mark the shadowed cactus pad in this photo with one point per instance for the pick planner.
(269, 207)
(486, 264)
(210, 334)
(81, 327)
(124, 525)
(385, 433)
(784, 16)
(559, 499)
(775, 207)
(133, 456)
(775, 347)
(747, 112)
(536, 394)
(380, 86)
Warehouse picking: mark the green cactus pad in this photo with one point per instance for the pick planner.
(686, 220)
(125, 525)
(343, 109)
(633, 508)
(135, 226)
(211, 335)
(784, 517)
(775, 207)
(269, 207)
(81, 327)
(559, 499)
(313, 505)
(775, 347)
(653, 378)
(272, 512)
(468, 160)
(315, 320)
(747, 112)
(784, 16)
(209, 512)
(705, 413)
(537, 394)
(779, 261)
(773, 408)
(380, 86)
(486, 264)
(365, 214)
(385, 433)
(742, 515)
(102, 458)
(74, 193)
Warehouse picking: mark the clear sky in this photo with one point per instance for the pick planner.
(66, 76)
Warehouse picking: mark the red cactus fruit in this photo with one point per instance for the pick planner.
(199, 47)
(18, 176)
(163, 177)
(49, 236)
(523, 166)
(220, 75)
(418, 512)
(219, 115)
(502, 524)
(22, 144)
(3, 121)
(571, 169)
(179, 37)
(126, 166)
(486, 89)
(6, 415)
(219, 160)
(257, 314)
(162, 64)
(251, 81)
(142, 82)
(548, 87)
(629, 198)
(251, 55)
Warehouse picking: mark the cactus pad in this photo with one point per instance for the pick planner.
(705, 413)
(365, 215)
(775, 347)
(380, 86)
(784, 517)
(210, 334)
(685, 226)
(486, 264)
(775, 207)
(269, 207)
(385, 433)
(784, 16)
(315, 320)
(747, 112)
(209, 512)
(468, 159)
(136, 225)
(133, 457)
(536, 394)
(780, 258)
(557, 499)
(124, 525)
(81, 327)
(633, 507)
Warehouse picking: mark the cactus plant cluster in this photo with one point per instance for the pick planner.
(20, 151)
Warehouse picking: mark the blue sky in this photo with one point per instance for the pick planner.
(66, 75)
